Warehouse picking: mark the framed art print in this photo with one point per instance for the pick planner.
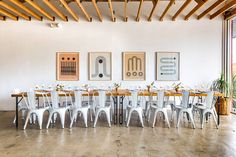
(67, 66)
(134, 66)
(167, 66)
(100, 66)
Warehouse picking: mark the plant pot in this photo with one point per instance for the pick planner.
(224, 106)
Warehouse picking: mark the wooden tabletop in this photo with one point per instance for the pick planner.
(121, 92)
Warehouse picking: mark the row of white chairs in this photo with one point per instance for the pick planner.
(93, 106)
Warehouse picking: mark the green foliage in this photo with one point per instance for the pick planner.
(234, 87)
(220, 85)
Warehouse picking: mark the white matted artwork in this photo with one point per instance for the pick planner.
(167, 66)
(100, 66)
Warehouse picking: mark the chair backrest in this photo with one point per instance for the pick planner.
(101, 98)
(209, 99)
(160, 99)
(185, 99)
(54, 99)
(30, 101)
(134, 98)
(78, 98)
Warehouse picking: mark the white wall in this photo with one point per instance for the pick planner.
(28, 50)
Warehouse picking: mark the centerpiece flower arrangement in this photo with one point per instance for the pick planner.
(150, 86)
(117, 86)
(177, 86)
(85, 86)
(59, 87)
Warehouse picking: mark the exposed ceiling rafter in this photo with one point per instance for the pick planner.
(26, 9)
(186, 3)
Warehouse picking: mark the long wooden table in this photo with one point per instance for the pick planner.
(118, 97)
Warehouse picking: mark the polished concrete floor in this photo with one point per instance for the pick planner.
(118, 141)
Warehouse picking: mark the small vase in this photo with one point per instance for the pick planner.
(116, 89)
(148, 88)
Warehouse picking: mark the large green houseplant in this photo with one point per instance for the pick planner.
(221, 85)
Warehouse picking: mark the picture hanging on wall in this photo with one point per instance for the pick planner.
(100, 66)
(67, 66)
(134, 66)
(167, 66)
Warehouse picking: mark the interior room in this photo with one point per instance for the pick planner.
(118, 78)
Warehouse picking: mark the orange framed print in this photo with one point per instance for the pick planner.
(67, 66)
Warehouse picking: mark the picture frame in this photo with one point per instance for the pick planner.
(67, 68)
(100, 66)
(134, 66)
(167, 66)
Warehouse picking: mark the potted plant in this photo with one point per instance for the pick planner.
(221, 85)
(117, 86)
(150, 86)
(177, 86)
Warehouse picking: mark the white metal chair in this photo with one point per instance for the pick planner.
(159, 106)
(33, 109)
(56, 109)
(78, 107)
(134, 106)
(102, 106)
(23, 109)
(184, 107)
(207, 107)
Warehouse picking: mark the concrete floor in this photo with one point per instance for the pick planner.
(118, 141)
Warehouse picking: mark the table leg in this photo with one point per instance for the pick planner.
(17, 112)
(121, 107)
(115, 109)
(218, 110)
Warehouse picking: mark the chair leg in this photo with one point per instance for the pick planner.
(214, 117)
(96, 118)
(191, 118)
(108, 117)
(72, 118)
(49, 119)
(178, 117)
(203, 118)
(40, 120)
(154, 120)
(62, 116)
(129, 115)
(27, 119)
(140, 113)
(166, 118)
(85, 115)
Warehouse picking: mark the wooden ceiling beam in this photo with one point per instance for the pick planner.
(72, 13)
(166, 10)
(186, 3)
(7, 14)
(55, 10)
(41, 10)
(112, 11)
(223, 9)
(213, 6)
(83, 10)
(230, 15)
(125, 11)
(10, 8)
(199, 5)
(97, 10)
(139, 10)
(155, 2)
(29, 11)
